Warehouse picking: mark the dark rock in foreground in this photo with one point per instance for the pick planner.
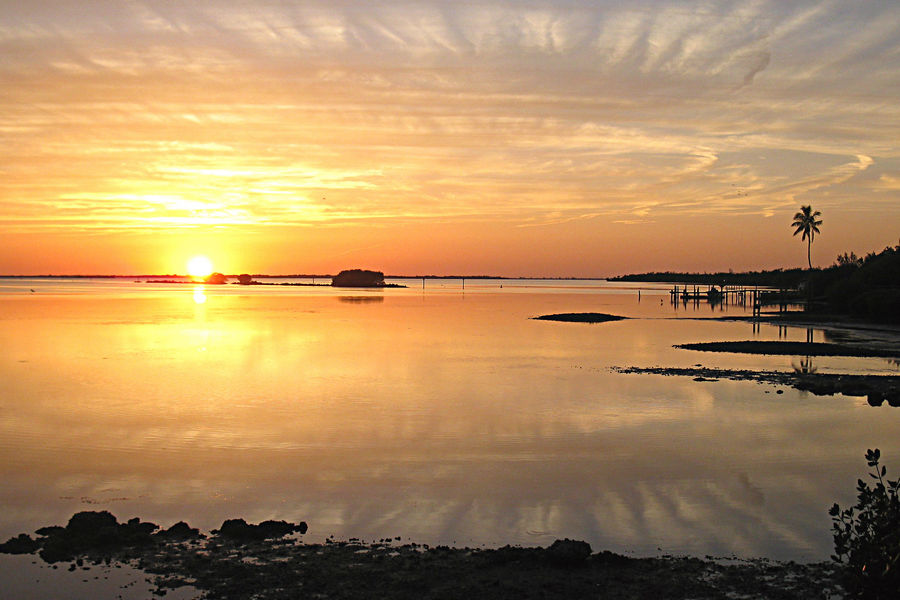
(180, 531)
(92, 531)
(568, 552)
(581, 317)
(239, 529)
(95, 533)
(20, 544)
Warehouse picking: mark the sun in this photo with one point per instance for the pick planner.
(199, 267)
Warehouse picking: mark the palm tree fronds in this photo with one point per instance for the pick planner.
(807, 222)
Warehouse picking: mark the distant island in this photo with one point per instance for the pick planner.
(361, 278)
(353, 278)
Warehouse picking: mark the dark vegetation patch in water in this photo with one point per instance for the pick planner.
(581, 317)
(255, 566)
(789, 349)
(878, 389)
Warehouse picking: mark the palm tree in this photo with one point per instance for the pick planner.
(806, 221)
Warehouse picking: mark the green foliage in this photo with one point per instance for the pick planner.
(867, 536)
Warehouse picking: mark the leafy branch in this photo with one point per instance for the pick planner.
(867, 536)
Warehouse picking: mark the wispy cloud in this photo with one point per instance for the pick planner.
(153, 114)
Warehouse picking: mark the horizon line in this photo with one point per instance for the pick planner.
(281, 276)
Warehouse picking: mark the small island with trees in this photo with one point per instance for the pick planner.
(361, 278)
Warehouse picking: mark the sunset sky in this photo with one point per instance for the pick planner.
(532, 138)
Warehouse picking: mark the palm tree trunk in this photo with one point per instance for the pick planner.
(808, 250)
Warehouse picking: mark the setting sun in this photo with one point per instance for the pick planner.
(199, 267)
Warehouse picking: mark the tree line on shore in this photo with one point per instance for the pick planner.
(866, 287)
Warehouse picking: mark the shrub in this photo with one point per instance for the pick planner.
(867, 536)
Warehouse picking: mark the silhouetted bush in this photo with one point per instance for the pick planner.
(867, 537)
(862, 287)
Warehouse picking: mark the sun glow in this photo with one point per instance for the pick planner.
(199, 295)
(199, 267)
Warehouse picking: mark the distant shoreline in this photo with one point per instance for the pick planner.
(301, 276)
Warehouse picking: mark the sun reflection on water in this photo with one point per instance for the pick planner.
(461, 420)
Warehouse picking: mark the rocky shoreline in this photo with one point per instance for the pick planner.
(270, 561)
(784, 348)
(877, 389)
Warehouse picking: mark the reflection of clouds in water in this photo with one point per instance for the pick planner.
(360, 299)
(753, 495)
(469, 424)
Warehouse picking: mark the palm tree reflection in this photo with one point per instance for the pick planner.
(806, 366)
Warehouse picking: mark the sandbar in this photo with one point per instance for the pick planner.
(590, 317)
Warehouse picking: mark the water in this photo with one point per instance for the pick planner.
(441, 415)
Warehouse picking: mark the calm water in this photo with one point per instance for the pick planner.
(441, 415)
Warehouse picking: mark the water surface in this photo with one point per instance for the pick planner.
(443, 415)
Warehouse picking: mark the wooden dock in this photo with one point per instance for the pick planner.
(738, 295)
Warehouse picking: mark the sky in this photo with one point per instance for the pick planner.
(517, 137)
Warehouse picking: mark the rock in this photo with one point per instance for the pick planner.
(568, 552)
(245, 279)
(138, 527)
(216, 279)
(180, 531)
(235, 529)
(92, 531)
(240, 530)
(875, 398)
(89, 522)
(21, 544)
(358, 278)
(275, 529)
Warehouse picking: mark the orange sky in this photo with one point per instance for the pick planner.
(516, 138)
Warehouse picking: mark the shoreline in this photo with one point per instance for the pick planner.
(788, 348)
(270, 560)
(878, 389)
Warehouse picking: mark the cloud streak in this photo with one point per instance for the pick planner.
(267, 114)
